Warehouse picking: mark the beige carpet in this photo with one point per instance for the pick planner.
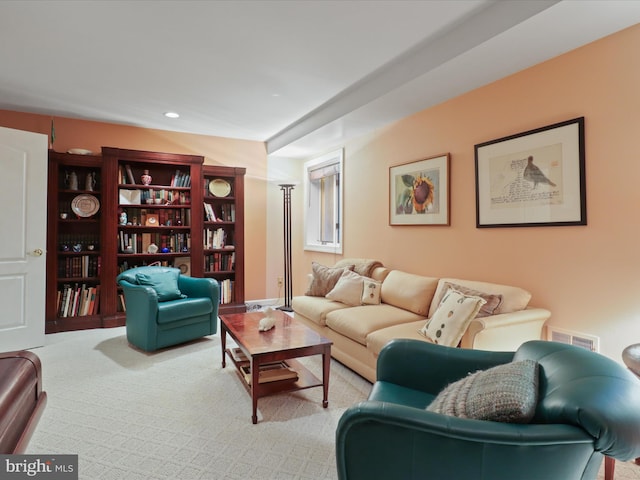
(176, 414)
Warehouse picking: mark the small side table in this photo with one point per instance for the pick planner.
(631, 358)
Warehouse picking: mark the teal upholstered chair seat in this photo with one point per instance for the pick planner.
(165, 308)
(586, 406)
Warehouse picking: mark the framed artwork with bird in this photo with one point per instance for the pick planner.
(534, 178)
(419, 192)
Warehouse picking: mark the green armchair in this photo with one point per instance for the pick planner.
(588, 406)
(166, 308)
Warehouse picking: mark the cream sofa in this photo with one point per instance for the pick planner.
(407, 302)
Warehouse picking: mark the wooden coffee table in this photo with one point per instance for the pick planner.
(285, 342)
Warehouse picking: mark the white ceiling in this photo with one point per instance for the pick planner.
(301, 75)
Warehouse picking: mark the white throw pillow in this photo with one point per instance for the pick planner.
(452, 317)
(348, 289)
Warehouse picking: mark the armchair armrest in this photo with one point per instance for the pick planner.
(200, 287)
(428, 367)
(424, 444)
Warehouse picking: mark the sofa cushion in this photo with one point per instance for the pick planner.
(348, 289)
(409, 291)
(378, 339)
(324, 279)
(315, 308)
(451, 319)
(513, 298)
(187, 308)
(492, 302)
(506, 393)
(357, 323)
(164, 282)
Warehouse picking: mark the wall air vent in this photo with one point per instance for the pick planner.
(588, 342)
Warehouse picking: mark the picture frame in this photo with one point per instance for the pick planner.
(184, 264)
(534, 178)
(419, 192)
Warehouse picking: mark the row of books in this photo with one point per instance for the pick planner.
(173, 217)
(140, 242)
(226, 291)
(220, 262)
(214, 238)
(181, 179)
(81, 266)
(78, 300)
(225, 213)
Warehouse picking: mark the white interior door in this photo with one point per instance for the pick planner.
(23, 236)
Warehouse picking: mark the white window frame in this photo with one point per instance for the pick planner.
(312, 211)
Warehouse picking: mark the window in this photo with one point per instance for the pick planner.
(323, 209)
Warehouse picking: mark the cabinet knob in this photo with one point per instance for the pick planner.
(37, 252)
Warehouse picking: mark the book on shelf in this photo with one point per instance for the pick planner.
(271, 372)
(238, 355)
(130, 174)
(209, 213)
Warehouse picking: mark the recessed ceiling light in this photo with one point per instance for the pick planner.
(171, 115)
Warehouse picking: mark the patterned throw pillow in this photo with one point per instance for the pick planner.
(451, 319)
(488, 309)
(371, 292)
(506, 393)
(324, 279)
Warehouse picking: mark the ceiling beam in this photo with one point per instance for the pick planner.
(488, 22)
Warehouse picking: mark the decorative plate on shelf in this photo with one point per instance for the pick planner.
(85, 205)
(219, 187)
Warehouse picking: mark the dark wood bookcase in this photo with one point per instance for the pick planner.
(223, 233)
(165, 224)
(75, 246)
(162, 226)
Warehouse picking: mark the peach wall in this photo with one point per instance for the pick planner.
(71, 133)
(588, 276)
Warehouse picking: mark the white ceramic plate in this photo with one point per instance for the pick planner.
(219, 187)
(79, 151)
(85, 205)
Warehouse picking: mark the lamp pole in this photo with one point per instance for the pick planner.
(288, 285)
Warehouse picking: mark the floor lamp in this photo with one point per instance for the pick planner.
(288, 286)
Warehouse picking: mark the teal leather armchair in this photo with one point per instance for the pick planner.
(154, 322)
(588, 406)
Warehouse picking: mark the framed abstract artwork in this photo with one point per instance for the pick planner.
(534, 178)
(419, 192)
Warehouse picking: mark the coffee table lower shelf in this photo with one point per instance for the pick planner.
(305, 379)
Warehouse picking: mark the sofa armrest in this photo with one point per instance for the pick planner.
(428, 367)
(424, 444)
(506, 331)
